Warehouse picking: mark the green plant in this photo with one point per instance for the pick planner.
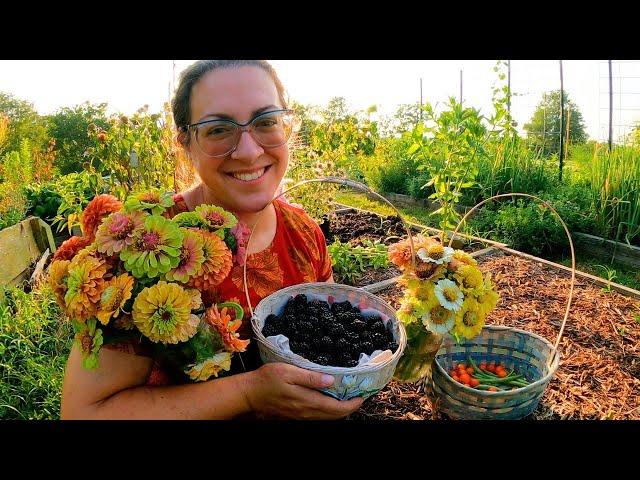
(136, 152)
(76, 190)
(524, 226)
(614, 178)
(448, 150)
(349, 262)
(43, 200)
(34, 344)
(611, 276)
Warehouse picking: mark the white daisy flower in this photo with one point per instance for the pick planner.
(435, 253)
(449, 294)
(439, 319)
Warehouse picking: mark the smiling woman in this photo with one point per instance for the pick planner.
(233, 124)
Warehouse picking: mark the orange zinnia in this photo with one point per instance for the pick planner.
(97, 209)
(70, 247)
(221, 321)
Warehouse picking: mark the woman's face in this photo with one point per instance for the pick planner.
(245, 180)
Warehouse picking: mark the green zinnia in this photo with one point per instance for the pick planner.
(189, 220)
(216, 219)
(155, 250)
(154, 201)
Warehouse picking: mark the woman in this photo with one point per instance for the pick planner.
(234, 126)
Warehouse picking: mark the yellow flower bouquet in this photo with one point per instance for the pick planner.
(444, 293)
(136, 275)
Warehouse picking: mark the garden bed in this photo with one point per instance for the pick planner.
(599, 373)
(355, 226)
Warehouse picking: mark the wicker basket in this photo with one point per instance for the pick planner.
(529, 354)
(516, 349)
(362, 380)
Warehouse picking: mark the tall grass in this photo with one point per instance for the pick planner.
(615, 192)
(34, 345)
(511, 167)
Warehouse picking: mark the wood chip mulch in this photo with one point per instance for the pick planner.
(599, 372)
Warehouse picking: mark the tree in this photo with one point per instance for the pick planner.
(70, 129)
(543, 131)
(405, 119)
(24, 123)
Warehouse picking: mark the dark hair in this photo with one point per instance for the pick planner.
(181, 103)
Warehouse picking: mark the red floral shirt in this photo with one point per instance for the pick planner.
(297, 254)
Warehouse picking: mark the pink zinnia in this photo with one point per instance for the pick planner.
(117, 231)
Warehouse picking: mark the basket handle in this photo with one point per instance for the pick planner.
(339, 181)
(573, 255)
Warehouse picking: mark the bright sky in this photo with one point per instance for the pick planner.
(127, 85)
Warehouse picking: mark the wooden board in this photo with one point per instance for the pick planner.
(20, 246)
(607, 250)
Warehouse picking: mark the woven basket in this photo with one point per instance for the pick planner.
(529, 354)
(362, 380)
(525, 352)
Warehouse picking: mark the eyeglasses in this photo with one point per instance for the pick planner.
(217, 138)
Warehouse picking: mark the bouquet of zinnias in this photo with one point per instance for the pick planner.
(137, 273)
(444, 293)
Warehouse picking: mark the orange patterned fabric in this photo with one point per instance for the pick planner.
(297, 254)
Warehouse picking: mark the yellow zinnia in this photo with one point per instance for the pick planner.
(58, 273)
(469, 320)
(411, 309)
(488, 297)
(162, 313)
(469, 278)
(211, 366)
(115, 294)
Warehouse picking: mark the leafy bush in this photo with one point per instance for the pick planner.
(390, 167)
(34, 345)
(43, 200)
(530, 227)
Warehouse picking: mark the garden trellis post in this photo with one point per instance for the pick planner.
(561, 121)
(610, 106)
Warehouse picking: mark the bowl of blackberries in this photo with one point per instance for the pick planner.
(331, 328)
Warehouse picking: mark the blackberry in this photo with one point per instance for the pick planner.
(305, 326)
(322, 360)
(304, 337)
(377, 327)
(352, 337)
(372, 319)
(346, 318)
(336, 330)
(325, 344)
(269, 330)
(303, 348)
(343, 345)
(358, 326)
(366, 347)
(271, 319)
(366, 336)
(300, 300)
(393, 346)
(341, 307)
(326, 320)
(379, 341)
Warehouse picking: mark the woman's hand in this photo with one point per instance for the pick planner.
(282, 390)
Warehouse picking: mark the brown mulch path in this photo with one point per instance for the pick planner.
(599, 373)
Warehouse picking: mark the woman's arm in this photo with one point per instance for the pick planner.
(116, 390)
